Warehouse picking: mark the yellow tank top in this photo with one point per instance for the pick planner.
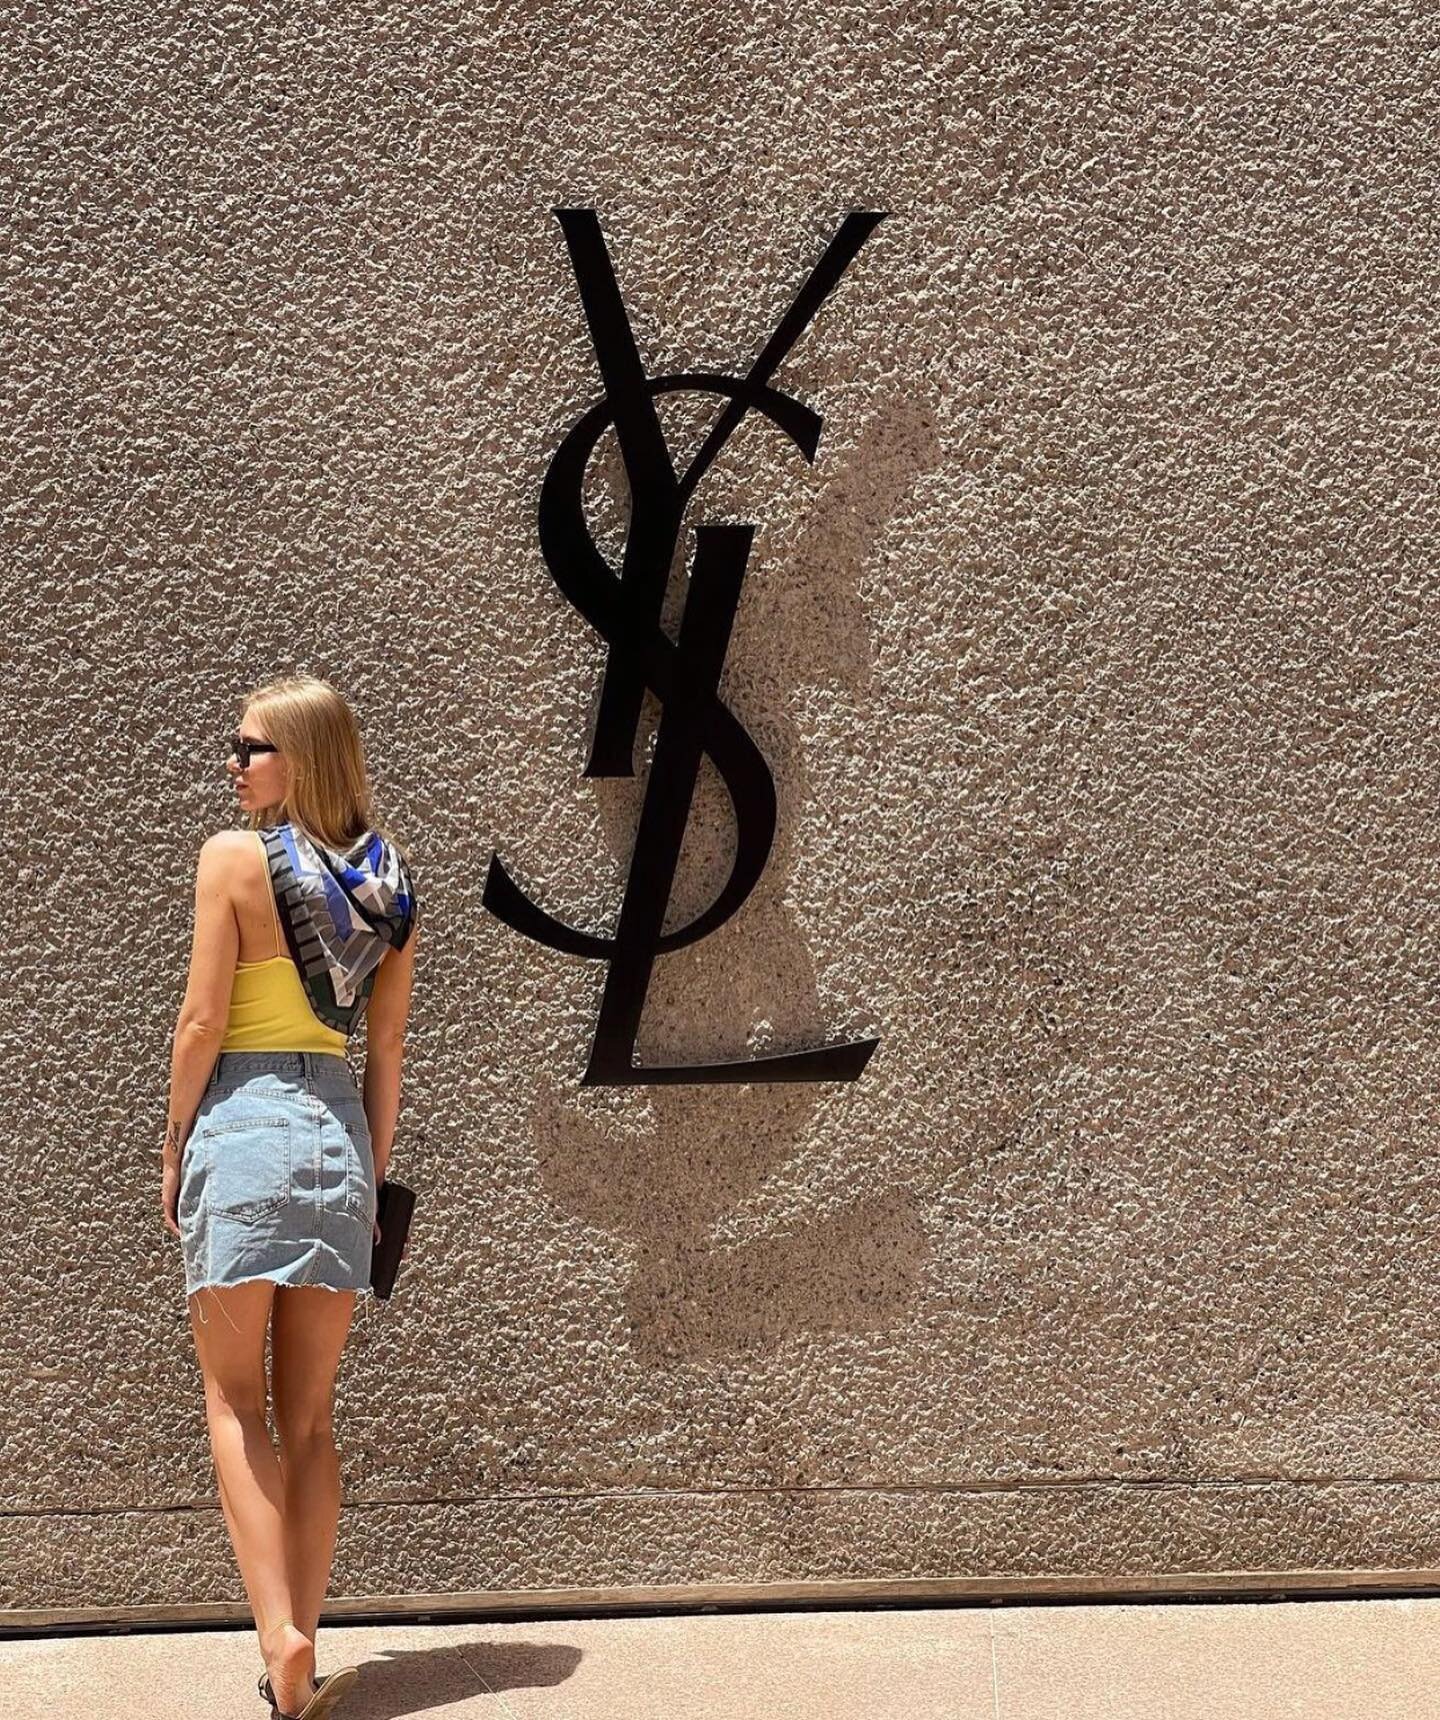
(269, 1010)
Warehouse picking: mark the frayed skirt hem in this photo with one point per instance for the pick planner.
(280, 1278)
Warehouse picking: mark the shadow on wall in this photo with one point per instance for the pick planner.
(667, 1187)
(668, 1183)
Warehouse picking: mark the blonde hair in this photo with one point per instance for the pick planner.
(328, 791)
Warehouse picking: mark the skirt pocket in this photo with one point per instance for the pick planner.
(360, 1180)
(245, 1166)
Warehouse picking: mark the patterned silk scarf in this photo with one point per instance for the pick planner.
(340, 910)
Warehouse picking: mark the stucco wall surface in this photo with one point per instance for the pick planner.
(1094, 660)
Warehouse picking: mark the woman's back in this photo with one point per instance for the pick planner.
(269, 1007)
(269, 1011)
(255, 916)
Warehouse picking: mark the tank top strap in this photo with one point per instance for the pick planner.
(280, 949)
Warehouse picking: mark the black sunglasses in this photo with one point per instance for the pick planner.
(244, 749)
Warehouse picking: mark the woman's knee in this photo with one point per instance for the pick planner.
(234, 1400)
(305, 1430)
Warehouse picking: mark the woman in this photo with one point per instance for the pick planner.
(305, 924)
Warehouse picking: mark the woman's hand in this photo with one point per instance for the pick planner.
(170, 1192)
(171, 1152)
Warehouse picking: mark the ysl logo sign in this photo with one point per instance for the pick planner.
(624, 605)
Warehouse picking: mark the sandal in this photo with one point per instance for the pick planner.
(328, 1691)
(268, 1695)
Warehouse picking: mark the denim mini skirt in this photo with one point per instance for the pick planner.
(277, 1179)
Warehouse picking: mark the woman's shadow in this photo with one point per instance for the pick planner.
(400, 1681)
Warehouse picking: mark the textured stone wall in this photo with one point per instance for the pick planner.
(1093, 659)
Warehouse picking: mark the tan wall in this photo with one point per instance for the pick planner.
(1093, 659)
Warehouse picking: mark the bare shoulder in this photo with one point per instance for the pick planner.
(221, 852)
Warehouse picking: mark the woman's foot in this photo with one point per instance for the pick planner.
(290, 1662)
(263, 1686)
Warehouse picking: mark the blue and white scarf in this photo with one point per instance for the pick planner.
(340, 910)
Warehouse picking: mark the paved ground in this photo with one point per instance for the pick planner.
(1319, 1660)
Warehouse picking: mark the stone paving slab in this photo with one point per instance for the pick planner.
(1292, 1660)
(1319, 1660)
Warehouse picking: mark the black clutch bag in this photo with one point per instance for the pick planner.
(394, 1203)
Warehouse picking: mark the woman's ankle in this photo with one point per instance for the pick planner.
(285, 1640)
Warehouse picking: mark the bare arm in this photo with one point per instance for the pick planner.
(385, 1017)
(206, 1005)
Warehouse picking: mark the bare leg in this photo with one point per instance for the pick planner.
(307, 1337)
(231, 1351)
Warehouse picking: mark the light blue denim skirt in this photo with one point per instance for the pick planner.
(277, 1179)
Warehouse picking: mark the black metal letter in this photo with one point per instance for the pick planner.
(684, 675)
